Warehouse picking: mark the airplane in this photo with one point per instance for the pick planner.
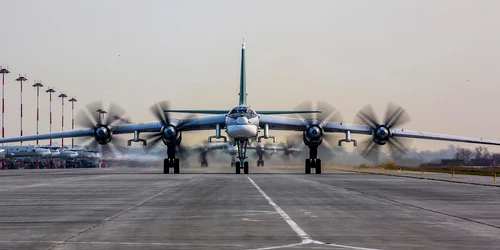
(261, 151)
(2, 153)
(242, 125)
(24, 151)
(61, 152)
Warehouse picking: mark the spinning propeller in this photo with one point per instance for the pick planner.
(170, 133)
(313, 133)
(101, 120)
(381, 132)
(290, 148)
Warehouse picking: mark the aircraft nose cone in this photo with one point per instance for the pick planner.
(242, 120)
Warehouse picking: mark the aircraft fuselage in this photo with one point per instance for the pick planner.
(242, 123)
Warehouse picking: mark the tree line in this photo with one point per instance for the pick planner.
(479, 153)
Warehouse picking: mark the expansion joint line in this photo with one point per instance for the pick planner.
(118, 214)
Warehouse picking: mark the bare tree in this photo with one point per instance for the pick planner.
(463, 154)
(496, 158)
(482, 153)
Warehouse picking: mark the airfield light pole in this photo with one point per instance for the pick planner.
(50, 91)
(21, 79)
(62, 96)
(72, 100)
(3, 72)
(37, 85)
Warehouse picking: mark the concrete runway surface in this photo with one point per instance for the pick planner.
(271, 208)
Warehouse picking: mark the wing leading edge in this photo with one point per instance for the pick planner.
(191, 124)
(295, 124)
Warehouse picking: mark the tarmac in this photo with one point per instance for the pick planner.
(271, 208)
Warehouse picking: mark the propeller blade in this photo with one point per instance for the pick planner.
(307, 105)
(158, 110)
(332, 139)
(370, 150)
(328, 113)
(395, 115)
(152, 142)
(367, 116)
(88, 117)
(115, 114)
(400, 145)
(119, 144)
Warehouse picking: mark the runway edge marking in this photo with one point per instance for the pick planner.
(306, 239)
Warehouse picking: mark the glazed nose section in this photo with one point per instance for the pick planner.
(242, 120)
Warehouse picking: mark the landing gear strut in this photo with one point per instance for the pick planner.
(313, 162)
(171, 161)
(242, 155)
(204, 162)
(260, 162)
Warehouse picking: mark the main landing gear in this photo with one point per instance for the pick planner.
(171, 161)
(260, 161)
(313, 162)
(242, 155)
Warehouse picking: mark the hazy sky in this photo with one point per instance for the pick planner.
(438, 59)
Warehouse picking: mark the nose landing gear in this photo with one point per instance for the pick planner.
(242, 155)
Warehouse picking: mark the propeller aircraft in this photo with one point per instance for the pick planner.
(242, 125)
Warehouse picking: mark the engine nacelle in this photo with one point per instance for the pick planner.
(171, 136)
(103, 134)
(313, 135)
(381, 135)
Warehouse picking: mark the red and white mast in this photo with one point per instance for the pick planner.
(62, 96)
(50, 91)
(3, 72)
(37, 85)
(21, 79)
(72, 100)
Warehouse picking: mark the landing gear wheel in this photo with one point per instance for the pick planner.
(318, 166)
(166, 165)
(245, 167)
(259, 163)
(237, 167)
(262, 163)
(232, 164)
(204, 163)
(308, 166)
(176, 166)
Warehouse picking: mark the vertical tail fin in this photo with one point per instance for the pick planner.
(243, 87)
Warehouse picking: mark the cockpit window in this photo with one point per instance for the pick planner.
(239, 110)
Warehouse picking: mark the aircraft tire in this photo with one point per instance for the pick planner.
(318, 166)
(308, 166)
(237, 167)
(166, 165)
(245, 167)
(176, 166)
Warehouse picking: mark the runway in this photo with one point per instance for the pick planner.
(271, 208)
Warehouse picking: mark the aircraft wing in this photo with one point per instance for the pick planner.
(54, 135)
(296, 124)
(191, 124)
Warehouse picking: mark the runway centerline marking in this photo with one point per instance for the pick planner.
(306, 239)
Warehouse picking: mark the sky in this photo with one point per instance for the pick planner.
(437, 59)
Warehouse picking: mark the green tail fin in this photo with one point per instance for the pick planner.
(243, 87)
